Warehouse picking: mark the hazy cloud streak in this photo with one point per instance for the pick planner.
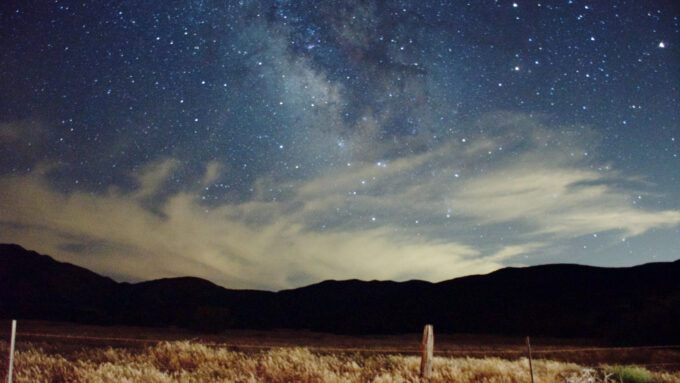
(346, 223)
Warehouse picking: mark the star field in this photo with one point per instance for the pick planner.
(276, 143)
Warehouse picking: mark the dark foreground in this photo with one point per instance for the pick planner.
(70, 339)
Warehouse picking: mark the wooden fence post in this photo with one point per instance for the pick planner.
(11, 351)
(531, 368)
(428, 352)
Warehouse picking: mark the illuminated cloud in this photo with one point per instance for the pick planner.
(152, 177)
(407, 217)
(189, 239)
(565, 202)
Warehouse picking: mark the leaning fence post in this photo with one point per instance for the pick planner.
(531, 368)
(428, 351)
(11, 350)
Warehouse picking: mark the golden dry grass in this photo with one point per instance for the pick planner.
(186, 361)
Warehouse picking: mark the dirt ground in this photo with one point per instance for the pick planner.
(65, 338)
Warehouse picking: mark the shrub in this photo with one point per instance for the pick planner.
(630, 374)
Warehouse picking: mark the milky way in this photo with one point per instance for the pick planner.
(272, 144)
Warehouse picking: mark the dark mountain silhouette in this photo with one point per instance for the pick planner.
(638, 304)
(36, 286)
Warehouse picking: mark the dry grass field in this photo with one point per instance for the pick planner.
(184, 361)
(59, 352)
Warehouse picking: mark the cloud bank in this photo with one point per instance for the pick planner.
(412, 216)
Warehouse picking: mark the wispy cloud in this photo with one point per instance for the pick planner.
(189, 239)
(562, 201)
(407, 217)
(152, 177)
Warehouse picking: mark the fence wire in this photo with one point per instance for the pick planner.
(391, 350)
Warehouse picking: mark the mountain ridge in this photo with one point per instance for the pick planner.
(508, 268)
(630, 304)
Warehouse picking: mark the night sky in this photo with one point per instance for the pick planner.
(273, 144)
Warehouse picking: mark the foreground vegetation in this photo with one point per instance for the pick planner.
(194, 362)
